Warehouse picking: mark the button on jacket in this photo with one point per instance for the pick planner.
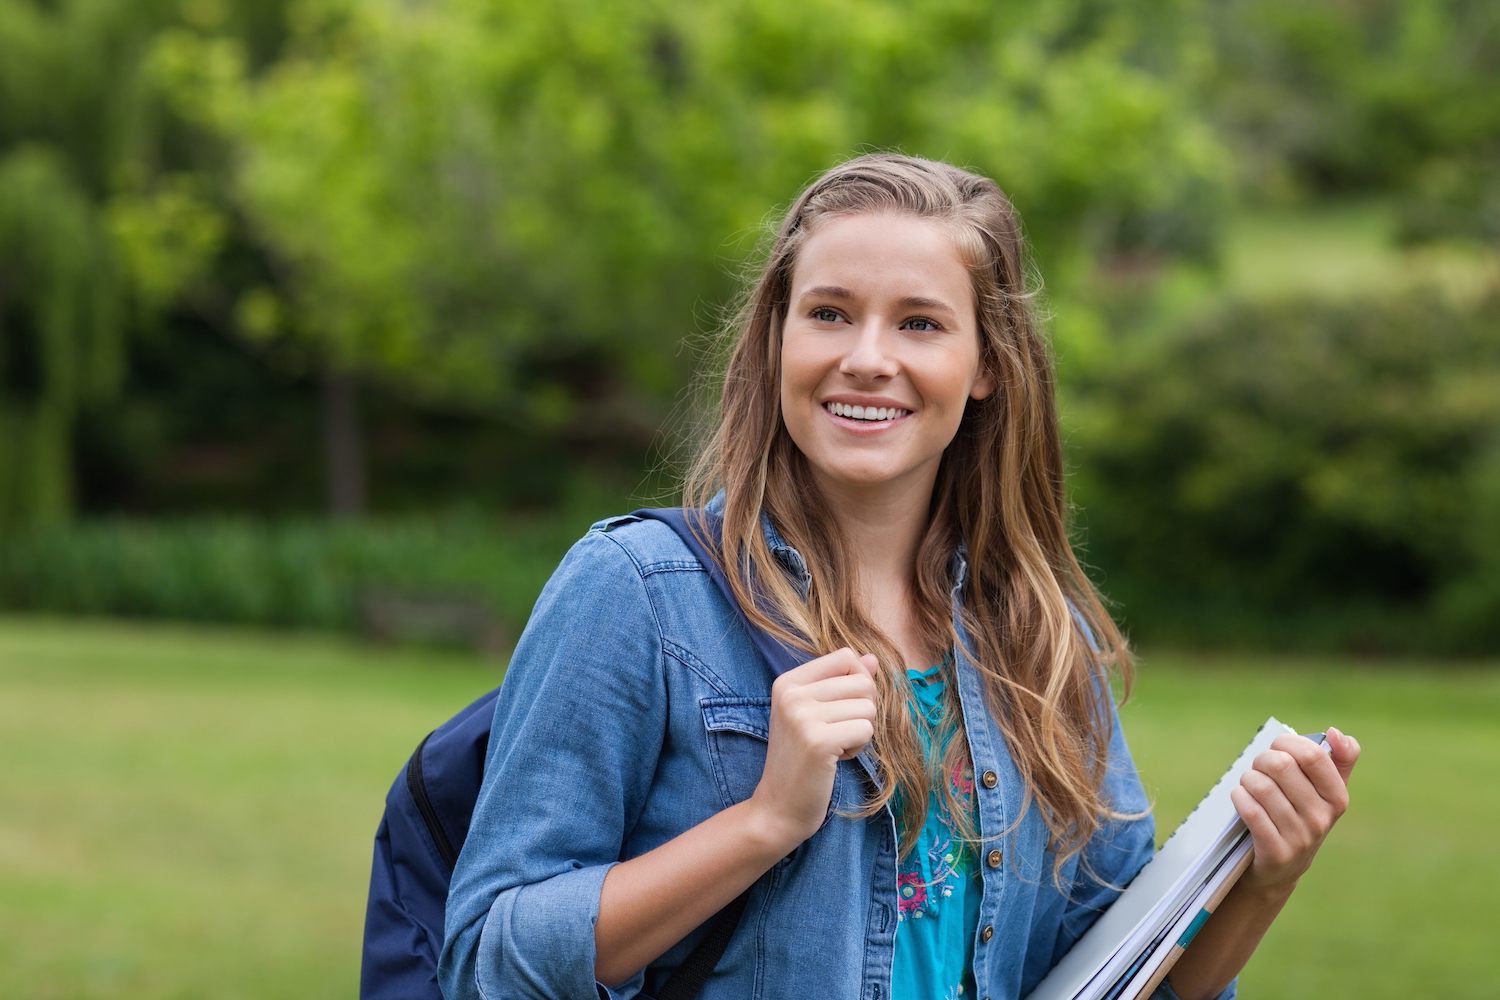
(634, 708)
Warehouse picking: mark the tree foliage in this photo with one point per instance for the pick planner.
(516, 214)
(1310, 459)
(1377, 96)
(62, 334)
(505, 202)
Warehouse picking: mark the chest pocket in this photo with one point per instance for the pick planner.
(739, 731)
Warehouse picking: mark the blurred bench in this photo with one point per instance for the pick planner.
(389, 615)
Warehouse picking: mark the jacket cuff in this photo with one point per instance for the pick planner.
(538, 941)
(1165, 991)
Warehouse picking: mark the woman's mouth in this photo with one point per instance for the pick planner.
(866, 414)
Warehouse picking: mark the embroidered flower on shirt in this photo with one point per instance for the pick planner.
(911, 893)
(963, 779)
(946, 864)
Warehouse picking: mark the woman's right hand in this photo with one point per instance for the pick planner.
(821, 713)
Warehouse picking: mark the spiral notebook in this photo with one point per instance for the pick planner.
(1132, 945)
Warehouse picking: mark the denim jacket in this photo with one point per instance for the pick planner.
(635, 707)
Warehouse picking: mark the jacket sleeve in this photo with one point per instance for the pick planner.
(578, 728)
(1115, 854)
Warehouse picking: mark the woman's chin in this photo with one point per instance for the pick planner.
(871, 479)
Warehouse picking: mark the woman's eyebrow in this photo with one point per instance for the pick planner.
(906, 302)
(918, 302)
(827, 292)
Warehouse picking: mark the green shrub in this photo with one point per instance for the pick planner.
(306, 573)
(1303, 472)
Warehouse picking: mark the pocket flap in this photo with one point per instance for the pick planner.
(749, 716)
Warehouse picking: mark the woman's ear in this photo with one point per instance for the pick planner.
(984, 385)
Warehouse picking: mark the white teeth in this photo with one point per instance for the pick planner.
(866, 412)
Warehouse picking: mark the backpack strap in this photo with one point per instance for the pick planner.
(416, 787)
(692, 527)
(692, 975)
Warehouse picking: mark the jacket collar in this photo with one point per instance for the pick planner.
(792, 561)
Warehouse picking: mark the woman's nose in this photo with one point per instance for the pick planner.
(869, 355)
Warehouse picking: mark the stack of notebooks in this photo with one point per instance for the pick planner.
(1127, 953)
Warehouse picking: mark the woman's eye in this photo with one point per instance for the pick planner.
(922, 325)
(823, 315)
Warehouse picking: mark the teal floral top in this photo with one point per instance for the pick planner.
(938, 884)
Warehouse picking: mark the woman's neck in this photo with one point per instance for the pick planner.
(882, 532)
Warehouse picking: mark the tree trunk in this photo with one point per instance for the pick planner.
(343, 449)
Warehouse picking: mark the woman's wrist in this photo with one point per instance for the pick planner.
(1271, 896)
(769, 832)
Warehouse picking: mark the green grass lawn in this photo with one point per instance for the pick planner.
(188, 812)
(1341, 248)
(1401, 902)
(1332, 250)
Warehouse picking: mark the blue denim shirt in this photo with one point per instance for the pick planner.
(635, 707)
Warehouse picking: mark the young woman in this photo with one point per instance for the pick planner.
(939, 801)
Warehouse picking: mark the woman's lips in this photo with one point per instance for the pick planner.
(857, 425)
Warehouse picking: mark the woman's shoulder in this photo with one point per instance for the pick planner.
(611, 571)
(648, 542)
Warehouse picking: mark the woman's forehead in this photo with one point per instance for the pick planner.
(891, 256)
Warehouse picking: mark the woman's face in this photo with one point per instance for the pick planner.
(879, 353)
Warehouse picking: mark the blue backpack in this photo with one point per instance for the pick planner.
(427, 814)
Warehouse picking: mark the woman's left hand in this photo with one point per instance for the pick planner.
(1290, 798)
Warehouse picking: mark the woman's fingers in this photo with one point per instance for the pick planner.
(1316, 765)
(1345, 752)
(1283, 846)
(830, 689)
(846, 709)
(814, 709)
(1262, 829)
(1290, 798)
(852, 736)
(843, 686)
(1274, 802)
(1298, 775)
(835, 664)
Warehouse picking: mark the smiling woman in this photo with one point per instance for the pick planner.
(938, 801)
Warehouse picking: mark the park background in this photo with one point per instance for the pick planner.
(329, 324)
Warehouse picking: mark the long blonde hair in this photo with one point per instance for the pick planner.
(999, 491)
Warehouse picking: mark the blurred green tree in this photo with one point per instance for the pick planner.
(1381, 96)
(77, 125)
(66, 115)
(1304, 461)
(61, 344)
(505, 205)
